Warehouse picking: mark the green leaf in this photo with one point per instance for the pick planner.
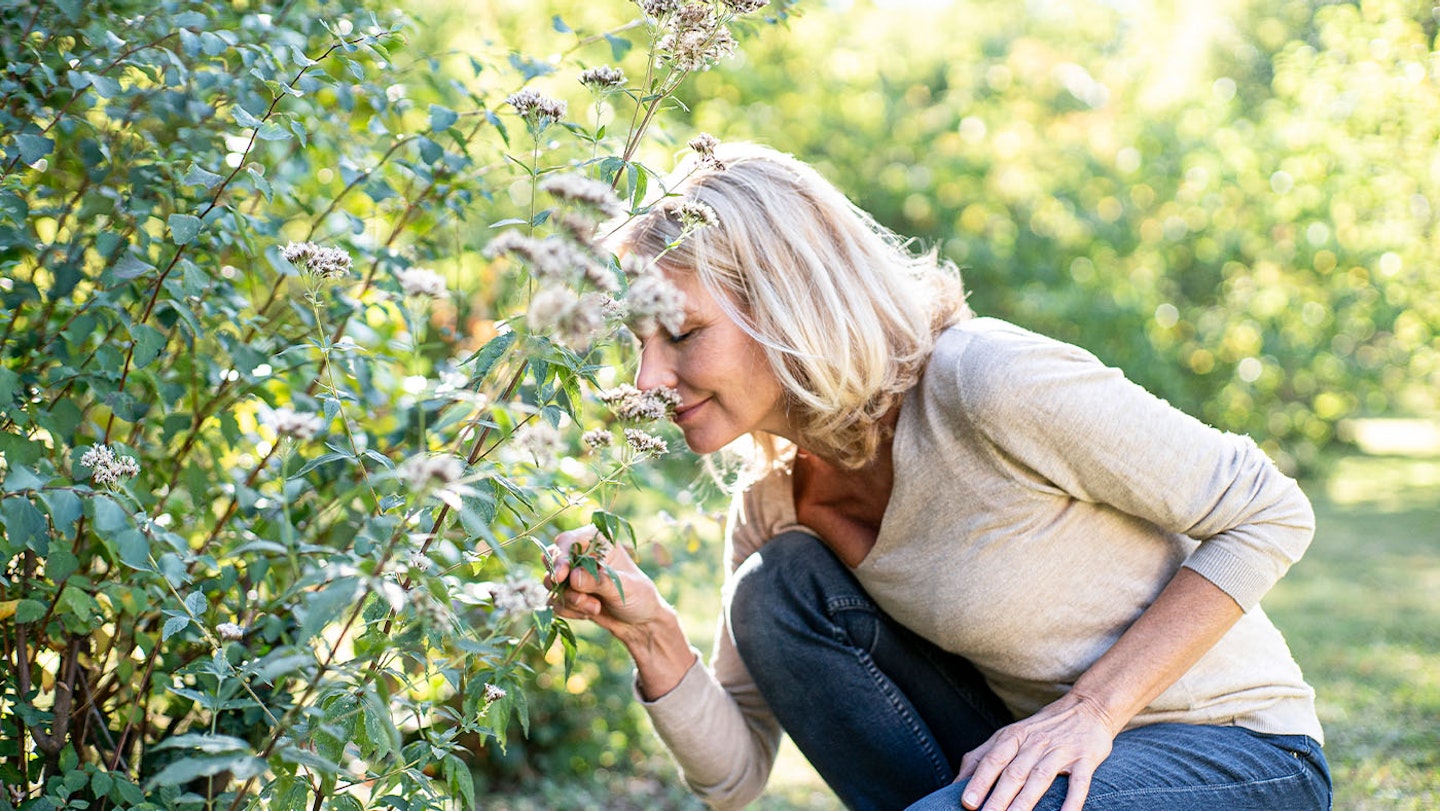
(148, 343)
(186, 769)
(488, 354)
(346, 802)
(619, 46)
(173, 626)
(196, 176)
(204, 742)
(33, 147)
(442, 118)
(22, 478)
(244, 118)
(324, 606)
(457, 774)
(25, 525)
(29, 610)
(184, 227)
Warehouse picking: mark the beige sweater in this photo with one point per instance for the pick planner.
(1041, 502)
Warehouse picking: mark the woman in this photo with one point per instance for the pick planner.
(972, 567)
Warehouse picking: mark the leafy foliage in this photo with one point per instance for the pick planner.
(281, 443)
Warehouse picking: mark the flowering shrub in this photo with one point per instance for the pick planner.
(302, 336)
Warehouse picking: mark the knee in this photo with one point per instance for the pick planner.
(776, 591)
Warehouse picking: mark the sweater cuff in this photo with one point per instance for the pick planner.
(1232, 575)
(682, 698)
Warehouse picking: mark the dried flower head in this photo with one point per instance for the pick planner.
(659, 9)
(302, 426)
(538, 110)
(419, 560)
(652, 301)
(584, 191)
(598, 438)
(229, 631)
(549, 258)
(541, 440)
(107, 468)
(746, 6)
(520, 595)
(423, 473)
(325, 263)
(633, 405)
(602, 78)
(704, 144)
(645, 443)
(575, 320)
(493, 693)
(695, 215)
(422, 282)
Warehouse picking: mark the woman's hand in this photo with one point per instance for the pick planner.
(599, 599)
(1019, 763)
(641, 619)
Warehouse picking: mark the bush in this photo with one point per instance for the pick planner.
(293, 389)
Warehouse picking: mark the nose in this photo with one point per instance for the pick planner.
(657, 365)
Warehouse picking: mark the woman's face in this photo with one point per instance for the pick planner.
(726, 386)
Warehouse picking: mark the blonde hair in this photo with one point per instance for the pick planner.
(846, 313)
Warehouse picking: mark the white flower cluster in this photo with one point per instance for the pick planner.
(553, 259)
(695, 37)
(695, 215)
(645, 443)
(602, 78)
(326, 263)
(106, 467)
(519, 595)
(229, 631)
(422, 282)
(653, 301)
(423, 472)
(598, 438)
(633, 405)
(576, 320)
(538, 110)
(746, 6)
(705, 145)
(298, 424)
(541, 440)
(580, 189)
(493, 693)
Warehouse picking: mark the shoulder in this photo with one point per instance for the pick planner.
(984, 363)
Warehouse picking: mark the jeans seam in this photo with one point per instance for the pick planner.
(1207, 788)
(937, 761)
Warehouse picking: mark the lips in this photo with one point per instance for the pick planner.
(683, 414)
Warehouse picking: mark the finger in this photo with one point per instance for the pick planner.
(989, 768)
(1037, 782)
(1013, 778)
(1079, 788)
(972, 759)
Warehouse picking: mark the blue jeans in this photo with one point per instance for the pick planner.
(885, 716)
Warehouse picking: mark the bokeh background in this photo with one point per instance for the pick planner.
(1235, 202)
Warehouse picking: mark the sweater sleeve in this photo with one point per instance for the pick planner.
(715, 722)
(1085, 429)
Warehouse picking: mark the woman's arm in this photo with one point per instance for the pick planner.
(1073, 735)
(719, 729)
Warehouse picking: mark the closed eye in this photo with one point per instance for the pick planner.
(682, 337)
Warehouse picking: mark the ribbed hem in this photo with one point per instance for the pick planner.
(1234, 576)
